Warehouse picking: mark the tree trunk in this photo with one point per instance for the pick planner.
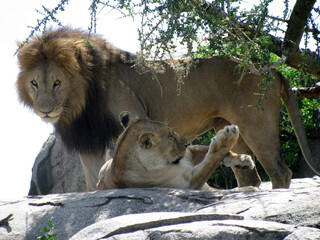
(296, 26)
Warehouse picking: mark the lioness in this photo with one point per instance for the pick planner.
(80, 84)
(150, 154)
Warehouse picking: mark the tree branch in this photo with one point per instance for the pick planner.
(310, 62)
(307, 92)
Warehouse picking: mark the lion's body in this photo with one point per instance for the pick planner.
(150, 154)
(97, 83)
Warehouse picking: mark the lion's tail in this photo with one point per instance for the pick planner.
(291, 104)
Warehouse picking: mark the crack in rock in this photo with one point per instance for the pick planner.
(172, 221)
(146, 200)
(55, 204)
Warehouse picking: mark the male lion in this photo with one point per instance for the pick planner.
(80, 83)
(150, 154)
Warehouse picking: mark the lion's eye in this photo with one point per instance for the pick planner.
(34, 83)
(56, 84)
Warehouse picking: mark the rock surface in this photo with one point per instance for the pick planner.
(156, 213)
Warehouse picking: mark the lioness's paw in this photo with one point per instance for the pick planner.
(242, 161)
(228, 133)
(231, 130)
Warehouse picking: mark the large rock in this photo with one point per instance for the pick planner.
(56, 170)
(170, 214)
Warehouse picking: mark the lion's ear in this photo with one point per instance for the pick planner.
(147, 140)
(126, 118)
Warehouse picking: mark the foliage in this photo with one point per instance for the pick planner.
(48, 16)
(45, 232)
(234, 28)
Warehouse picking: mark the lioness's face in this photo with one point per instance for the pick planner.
(164, 143)
(48, 88)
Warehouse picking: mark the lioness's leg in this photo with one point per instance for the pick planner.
(244, 177)
(91, 165)
(198, 153)
(218, 149)
(239, 161)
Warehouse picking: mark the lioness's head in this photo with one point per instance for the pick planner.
(151, 138)
(146, 145)
(51, 80)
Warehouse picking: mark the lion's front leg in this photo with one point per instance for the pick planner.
(219, 147)
(91, 165)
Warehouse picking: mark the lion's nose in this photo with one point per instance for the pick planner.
(46, 110)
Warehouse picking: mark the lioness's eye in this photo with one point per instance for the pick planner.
(56, 84)
(34, 83)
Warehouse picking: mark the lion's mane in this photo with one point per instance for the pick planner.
(87, 61)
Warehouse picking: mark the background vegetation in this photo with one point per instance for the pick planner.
(261, 35)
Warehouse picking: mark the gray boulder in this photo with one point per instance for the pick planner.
(158, 213)
(56, 170)
(192, 226)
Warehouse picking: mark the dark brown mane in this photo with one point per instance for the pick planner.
(59, 46)
(87, 59)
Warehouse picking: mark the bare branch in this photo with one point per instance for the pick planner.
(267, 16)
(307, 92)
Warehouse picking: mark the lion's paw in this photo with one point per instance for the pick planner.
(242, 161)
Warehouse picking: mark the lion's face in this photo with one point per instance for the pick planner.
(47, 89)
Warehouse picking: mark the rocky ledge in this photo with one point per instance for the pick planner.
(156, 213)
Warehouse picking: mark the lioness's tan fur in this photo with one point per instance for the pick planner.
(96, 83)
(150, 154)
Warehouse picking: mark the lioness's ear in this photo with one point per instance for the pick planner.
(126, 118)
(147, 140)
